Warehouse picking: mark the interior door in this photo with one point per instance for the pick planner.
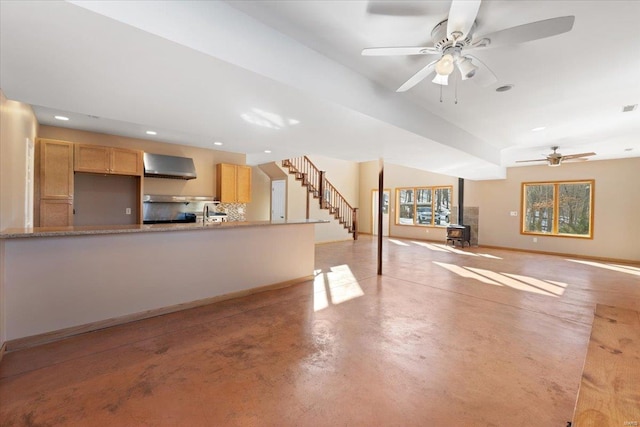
(278, 199)
(385, 212)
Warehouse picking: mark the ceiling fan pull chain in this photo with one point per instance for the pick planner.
(440, 93)
(456, 88)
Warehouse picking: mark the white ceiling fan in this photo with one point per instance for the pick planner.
(454, 38)
(556, 159)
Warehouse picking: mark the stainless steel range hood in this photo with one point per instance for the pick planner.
(161, 166)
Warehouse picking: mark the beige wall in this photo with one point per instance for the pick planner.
(616, 229)
(398, 177)
(205, 159)
(344, 175)
(260, 207)
(17, 125)
(617, 203)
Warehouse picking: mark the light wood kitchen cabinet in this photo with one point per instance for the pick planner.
(233, 183)
(56, 183)
(107, 160)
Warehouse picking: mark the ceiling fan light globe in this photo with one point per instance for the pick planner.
(444, 66)
(466, 67)
(441, 79)
(555, 161)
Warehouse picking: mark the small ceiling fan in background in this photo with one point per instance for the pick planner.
(556, 159)
(454, 38)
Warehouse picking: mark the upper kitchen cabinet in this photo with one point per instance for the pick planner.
(107, 160)
(233, 183)
(56, 183)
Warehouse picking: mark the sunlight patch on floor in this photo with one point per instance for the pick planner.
(335, 287)
(447, 248)
(461, 271)
(615, 267)
(397, 242)
(429, 246)
(514, 281)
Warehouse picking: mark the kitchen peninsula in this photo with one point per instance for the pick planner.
(66, 280)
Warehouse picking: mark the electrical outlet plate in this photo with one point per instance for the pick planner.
(513, 213)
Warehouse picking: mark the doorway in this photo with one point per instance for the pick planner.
(278, 200)
(386, 194)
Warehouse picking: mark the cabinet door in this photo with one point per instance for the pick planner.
(92, 158)
(56, 213)
(126, 162)
(243, 184)
(56, 169)
(226, 182)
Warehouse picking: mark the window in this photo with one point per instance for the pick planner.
(558, 208)
(424, 206)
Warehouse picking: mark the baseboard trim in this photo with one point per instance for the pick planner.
(589, 257)
(57, 335)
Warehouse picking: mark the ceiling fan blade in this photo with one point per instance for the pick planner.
(527, 32)
(417, 77)
(527, 161)
(483, 76)
(462, 15)
(392, 51)
(575, 156)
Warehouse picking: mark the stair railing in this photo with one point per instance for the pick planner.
(330, 198)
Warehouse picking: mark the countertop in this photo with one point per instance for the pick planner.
(17, 233)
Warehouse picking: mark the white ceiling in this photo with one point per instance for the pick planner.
(288, 76)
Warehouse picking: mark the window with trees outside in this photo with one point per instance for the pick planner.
(423, 206)
(558, 208)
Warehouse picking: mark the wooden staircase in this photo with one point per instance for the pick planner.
(320, 188)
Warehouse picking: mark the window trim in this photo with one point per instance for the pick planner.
(433, 188)
(556, 208)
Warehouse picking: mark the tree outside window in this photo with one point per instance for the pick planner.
(431, 206)
(405, 206)
(558, 208)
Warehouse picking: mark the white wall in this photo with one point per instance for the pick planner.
(84, 279)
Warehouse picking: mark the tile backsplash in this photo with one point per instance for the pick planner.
(163, 211)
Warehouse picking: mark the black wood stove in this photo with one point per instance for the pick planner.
(459, 233)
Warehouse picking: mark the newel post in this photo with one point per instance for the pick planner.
(323, 199)
(355, 223)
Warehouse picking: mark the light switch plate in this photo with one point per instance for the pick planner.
(127, 211)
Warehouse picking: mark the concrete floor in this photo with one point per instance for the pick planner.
(446, 337)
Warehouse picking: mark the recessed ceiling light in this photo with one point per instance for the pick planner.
(504, 88)
(628, 108)
(628, 149)
(267, 151)
(217, 143)
(152, 132)
(538, 129)
(63, 118)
